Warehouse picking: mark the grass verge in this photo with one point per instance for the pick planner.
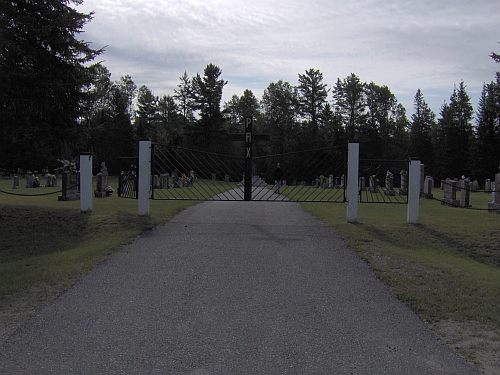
(46, 245)
(446, 269)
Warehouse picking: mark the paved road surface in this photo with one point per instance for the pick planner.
(230, 288)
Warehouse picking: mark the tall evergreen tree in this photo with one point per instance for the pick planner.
(207, 97)
(146, 114)
(487, 148)
(349, 99)
(379, 129)
(422, 122)
(111, 131)
(279, 104)
(455, 135)
(44, 69)
(184, 98)
(168, 129)
(401, 140)
(312, 97)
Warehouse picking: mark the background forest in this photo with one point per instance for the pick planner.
(57, 102)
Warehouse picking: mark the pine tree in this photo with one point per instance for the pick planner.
(350, 101)
(184, 98)
(422, 121)
(487, 148)
(168, 122)
(455, 134)
(312, 97)
(146, 114)
(279, 104)
(44, 69)
(207, 96)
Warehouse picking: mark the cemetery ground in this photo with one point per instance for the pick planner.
(447, 268)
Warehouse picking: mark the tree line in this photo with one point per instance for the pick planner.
(56, 103)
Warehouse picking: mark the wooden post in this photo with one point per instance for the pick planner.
(352, 182)
(144, 184)
(86, 182)
(414, 192)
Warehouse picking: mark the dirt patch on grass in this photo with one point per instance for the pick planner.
(478, 343)
(15, 310)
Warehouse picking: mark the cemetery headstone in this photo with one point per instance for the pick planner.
(487, 186)
(403, 190)
(102, 182)
(372, 181)
(16, 182)
(422, 178)
(69, 187)
(362, 184)
(450, 193)
(389, 184)
(465, 193)
(30, 178)
(495, 205)
(428, 184)
(164, 181)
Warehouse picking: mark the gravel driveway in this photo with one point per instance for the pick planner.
(230, 288)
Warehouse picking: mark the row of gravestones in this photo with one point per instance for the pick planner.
(33, 182)
(70, 184)
(451, 187)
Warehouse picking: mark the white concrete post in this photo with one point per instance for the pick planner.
(144, 177)
(352, 182)
(414, 192)
(86, 182)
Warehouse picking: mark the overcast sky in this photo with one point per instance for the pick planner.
(403, 44)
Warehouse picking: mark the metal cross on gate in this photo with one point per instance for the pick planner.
(249, 137)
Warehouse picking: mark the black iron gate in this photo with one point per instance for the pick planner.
(128, 178)
(308, 176)
(383, 181)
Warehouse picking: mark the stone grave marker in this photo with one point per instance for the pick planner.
(403, 190)
(69, 187)
(495, 205)
(30, 178)
(389, 184)
(428, 184)
(487, 186)
(16, 182)
(450, 193)
(102, 182)
(372, 182)
(465, 193)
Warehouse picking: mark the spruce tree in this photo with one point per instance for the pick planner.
(44, 68)
(455, 134)
(422, 121)
(206, 93)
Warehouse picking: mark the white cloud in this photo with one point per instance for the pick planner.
(405, 45)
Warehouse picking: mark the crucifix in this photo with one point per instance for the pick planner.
(248, 137)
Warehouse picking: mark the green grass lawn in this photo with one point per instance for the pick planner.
(445, 268)
(47, 244)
